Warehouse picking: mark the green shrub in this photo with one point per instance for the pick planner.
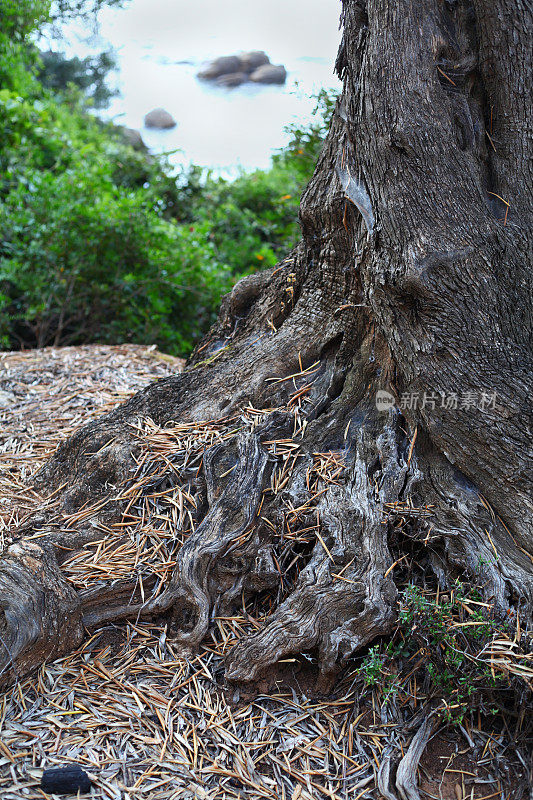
(18, 20)
(89, 256)
(57, 72)
(254, 218)
(303, 149)
(444, 639)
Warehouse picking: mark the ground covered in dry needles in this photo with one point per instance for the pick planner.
(146, 723)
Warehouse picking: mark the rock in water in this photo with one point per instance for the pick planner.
(225, 65)
(253, 59)
(159, 118)
(269, 73)
(65, 780)
(253, 65)
(233, 79)
(134, 138)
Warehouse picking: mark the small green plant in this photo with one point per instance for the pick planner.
(450, 634)
(377, 669)
(373, 666)
(441, 638)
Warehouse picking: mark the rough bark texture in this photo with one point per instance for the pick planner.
(412, 276)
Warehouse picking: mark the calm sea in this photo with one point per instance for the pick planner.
(161, 44)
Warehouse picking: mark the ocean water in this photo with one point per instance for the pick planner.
(161, 45)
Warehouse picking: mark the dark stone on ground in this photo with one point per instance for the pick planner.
(65, 780)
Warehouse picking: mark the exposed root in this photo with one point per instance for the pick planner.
(275, 536)
(288, 509)
(220, 512)
(383, 776)
(218, 556)
(342, 601)
(406, 782)
(40, 611)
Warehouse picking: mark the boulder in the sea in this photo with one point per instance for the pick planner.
(269, 73)
(225, 65)
(233, 79)
(252, 65)
(134, 138)
(253, 59)
(159, 118)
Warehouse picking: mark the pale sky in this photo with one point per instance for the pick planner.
(300, 27)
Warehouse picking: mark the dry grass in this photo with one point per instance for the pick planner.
(47, 394)
(141, 720)
(159, 507)
(146, 723)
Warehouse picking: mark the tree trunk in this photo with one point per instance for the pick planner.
(412, 278)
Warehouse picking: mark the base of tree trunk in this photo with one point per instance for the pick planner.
(291, 502)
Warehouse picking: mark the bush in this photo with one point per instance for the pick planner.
(303, 149)
(446, 641)
(19, 18)
(57, 72)
(254, 218)
(89, 257)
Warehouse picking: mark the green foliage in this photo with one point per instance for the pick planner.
(18, 20)
(254, 218)
(86, 253)
(373, 667)
(57, 72)
(445, 638)
(451, 642)
(302, 152)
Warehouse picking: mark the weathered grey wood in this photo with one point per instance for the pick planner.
(406, 782)
(383, 777)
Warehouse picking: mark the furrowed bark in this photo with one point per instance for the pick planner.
(412, 277)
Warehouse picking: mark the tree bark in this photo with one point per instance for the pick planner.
(412, 277)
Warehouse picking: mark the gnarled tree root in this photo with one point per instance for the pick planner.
(40, 613)
(406, 782)
(344, 595)
(383, 776)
